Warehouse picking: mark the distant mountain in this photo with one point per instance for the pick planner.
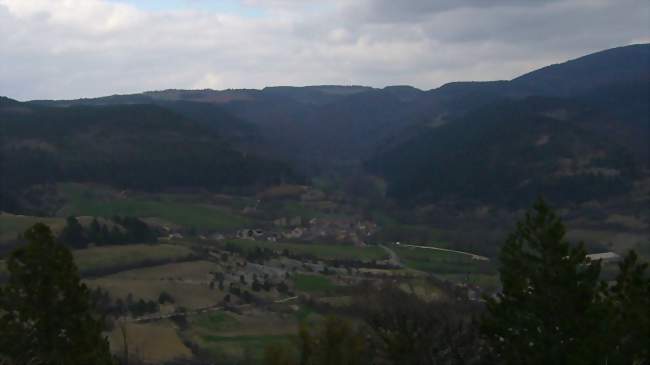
(144, 147)
(584, 74)
(508, 153)
(335, 128)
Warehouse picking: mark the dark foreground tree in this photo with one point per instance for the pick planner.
(545, 313)
(412, 331)
(46, 314)
(73, 234)
(628, 325)
(554, 309)
(334, 341)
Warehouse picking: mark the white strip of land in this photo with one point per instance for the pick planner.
(472, 255)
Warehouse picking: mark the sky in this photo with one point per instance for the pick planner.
(58, 49)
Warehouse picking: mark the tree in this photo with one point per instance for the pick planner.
(334, 342)
(409, 330)
(550, 308)
(47, 316)
(73, 234)
(628, 327)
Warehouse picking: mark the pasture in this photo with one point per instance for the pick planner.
(233, 337)
(92, 201)
(187, 282)
(12, 225)
(152, 343)
(109, 259)
(312, 283)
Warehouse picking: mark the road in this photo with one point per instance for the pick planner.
(472, 255)
(392, 257)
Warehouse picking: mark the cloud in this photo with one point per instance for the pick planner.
(75, 48)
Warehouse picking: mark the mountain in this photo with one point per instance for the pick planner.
(597, 100)
(143, 147)
(508, 153)
(581, 75)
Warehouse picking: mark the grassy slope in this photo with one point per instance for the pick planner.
(84, 200)
(13, 225)
(107, 258)
(312, 283)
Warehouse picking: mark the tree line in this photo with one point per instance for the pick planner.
(122, 230)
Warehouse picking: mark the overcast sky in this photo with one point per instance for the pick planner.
(85, 48)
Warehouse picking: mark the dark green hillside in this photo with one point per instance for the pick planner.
(509, 153)
(581, 75)
(138, 146)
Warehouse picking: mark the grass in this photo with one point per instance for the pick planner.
(312, 283)
(215, 321)
(116, 258)
(155, 343)
(320, 251)
(13, 225)
(440, 261)
(85, 200)
(249, 348)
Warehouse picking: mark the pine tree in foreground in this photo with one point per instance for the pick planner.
(554, 309)
(45, 312)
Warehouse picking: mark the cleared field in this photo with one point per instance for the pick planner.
(312, 283)
(198, 271)
(97, 260)
(440, 261)
(321, 251)
(235, 338)
(153, 343)
(186, 282)
(85, 200)
(12, 225)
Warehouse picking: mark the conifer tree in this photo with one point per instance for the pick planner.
(550, 308)
(45, 312)
(73, 234)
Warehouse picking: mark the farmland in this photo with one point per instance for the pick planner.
(312, 283)
(320, 251)
(120, 257)
(93, 201)
(12, 225)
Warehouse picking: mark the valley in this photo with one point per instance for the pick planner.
(212, 225)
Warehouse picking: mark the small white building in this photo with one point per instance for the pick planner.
(604, 256)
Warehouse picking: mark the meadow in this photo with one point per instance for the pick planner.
(312, 283)
(108, 259)
(12, 225)
(92, 201)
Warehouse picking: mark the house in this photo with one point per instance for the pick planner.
(604, 256)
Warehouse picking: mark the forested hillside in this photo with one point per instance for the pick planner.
(142, 147)
(508, 153)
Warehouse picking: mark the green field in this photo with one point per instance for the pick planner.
(440, 261)
(248, 348)
(312, 283)
(84, 200)
(321, 251)
(216, 321)
(116, 258)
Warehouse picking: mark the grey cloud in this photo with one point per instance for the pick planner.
(48, 52)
